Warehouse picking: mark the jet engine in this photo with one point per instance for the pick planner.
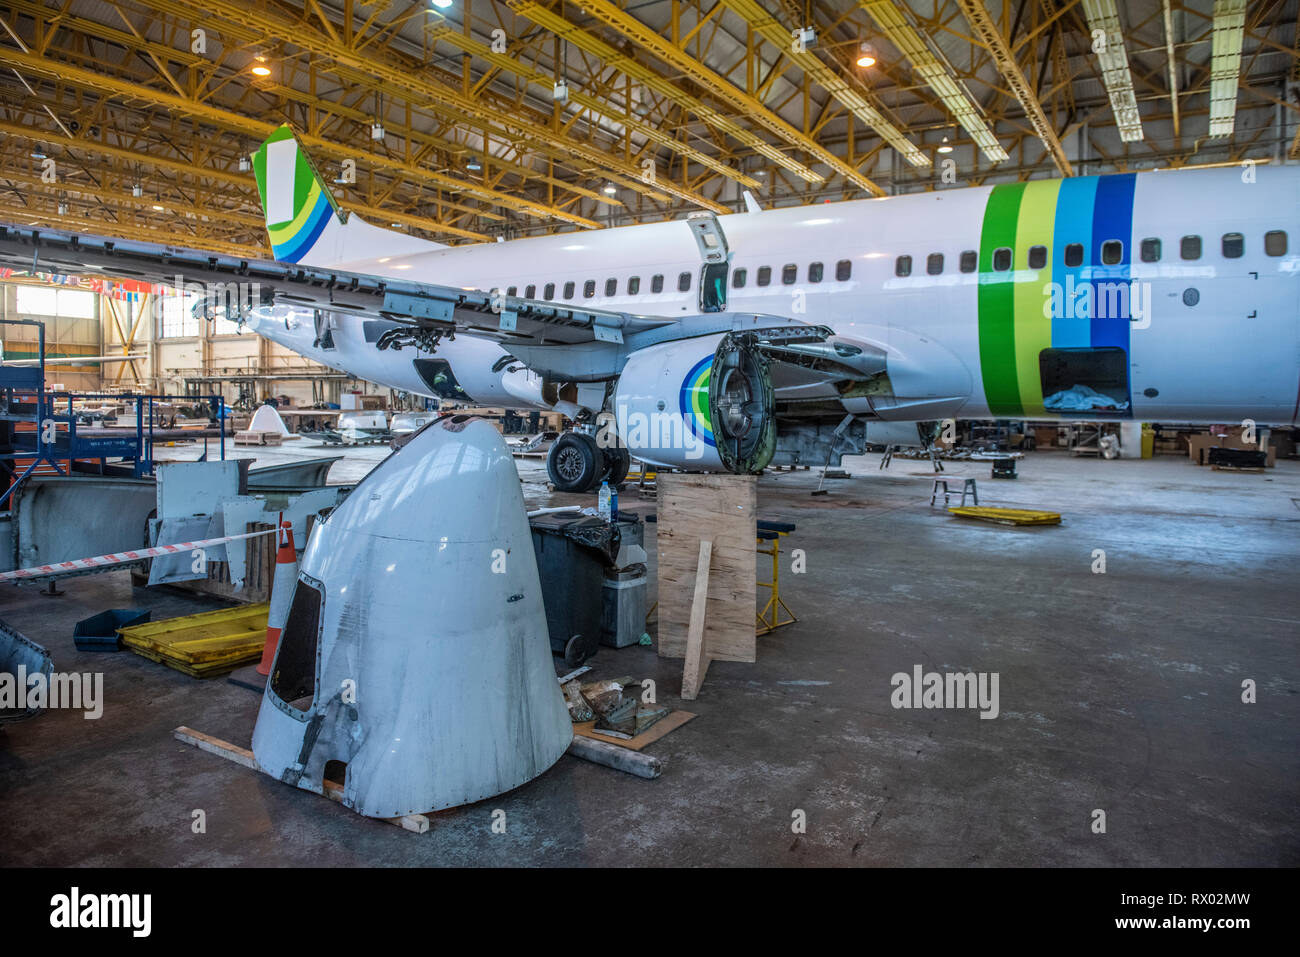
(704, 404)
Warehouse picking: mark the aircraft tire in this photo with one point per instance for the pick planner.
(574, 463)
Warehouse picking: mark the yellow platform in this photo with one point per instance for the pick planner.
(209, 643)
(1007, 516)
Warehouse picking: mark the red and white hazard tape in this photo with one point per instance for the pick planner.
(121, 558)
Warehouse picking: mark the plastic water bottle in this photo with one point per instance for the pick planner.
(603, 502)
(613, 502)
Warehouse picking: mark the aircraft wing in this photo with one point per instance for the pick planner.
(233, 285)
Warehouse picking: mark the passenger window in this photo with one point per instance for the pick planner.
(934, 264)
(1001, 259)
(843, 270)
(1234, 244)
(657, 283)
(683, 281)
(530, 292)
(1190, 247)
(611, 287)
(549, 292)
(903, 266)
(764, 275)
(814, 272)
(1275, 242)
(1074, 254)
(789, 274)
(568, 289)
(1037, 257)
(1150, 251)
(970, 261)
(738, 279)
(1112, 251)
(512, 290)
(634, 285)
(589, 289)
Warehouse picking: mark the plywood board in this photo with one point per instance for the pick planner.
(669, 722)
(721, 510)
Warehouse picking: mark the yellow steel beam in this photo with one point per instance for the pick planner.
(752, 108)
(837, 85)
(22, 215)
(912, 45)
(244, 180)
(525, 71)
(978, 16)
(260, 129)
(374, 69)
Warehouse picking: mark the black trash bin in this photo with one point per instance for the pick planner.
(573, 552)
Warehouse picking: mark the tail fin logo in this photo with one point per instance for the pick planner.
(295, 200)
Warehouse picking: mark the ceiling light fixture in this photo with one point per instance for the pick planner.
(945, 146)
(473, 165)
(866, 54)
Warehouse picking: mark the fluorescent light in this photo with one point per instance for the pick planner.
(1115, 75)
(1225, 64)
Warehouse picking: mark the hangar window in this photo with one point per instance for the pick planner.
(512, 290)
(814, 272)
(683, 281)
(764, 275)
(657, 283)
(568, 289)
(789, 274)
(634, 285)
(1150, 250)
(549, 291)
(1189, 247)
(934, 264)
(903, 266)
(1275, 242)
(969, 261)
(589, 289)
(293, 673)
(1112, 251)
(1074, 254)
(1037, 257)
(611, 287)
(1002, 259)
(843, 269)
(738, 278)
(1234, 244)
(530, 291)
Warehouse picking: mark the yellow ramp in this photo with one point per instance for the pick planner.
(209, 643)
(1007, 516)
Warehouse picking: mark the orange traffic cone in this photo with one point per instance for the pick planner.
(286, 575)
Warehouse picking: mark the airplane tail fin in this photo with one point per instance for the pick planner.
(303, 220)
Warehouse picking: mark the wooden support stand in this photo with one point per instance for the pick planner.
(707, 571)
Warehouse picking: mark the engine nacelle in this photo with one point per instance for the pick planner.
(703, 404)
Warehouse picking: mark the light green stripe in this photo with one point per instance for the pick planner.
(1035, 226)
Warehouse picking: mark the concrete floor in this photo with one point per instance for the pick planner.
(1119, 692)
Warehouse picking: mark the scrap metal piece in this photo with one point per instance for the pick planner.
(20, 659)
(415, 653)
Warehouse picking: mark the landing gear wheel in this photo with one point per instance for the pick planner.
(617, 463)
(577, 650)
(574, 463)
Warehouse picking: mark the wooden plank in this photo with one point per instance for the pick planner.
(614, 756)
(697, 658)
(720, 508)
(416, 823)
(205, 742)
(668, 723)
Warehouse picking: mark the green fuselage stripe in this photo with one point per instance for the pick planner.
(997, 326)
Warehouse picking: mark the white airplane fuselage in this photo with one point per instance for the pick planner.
(1178, 292)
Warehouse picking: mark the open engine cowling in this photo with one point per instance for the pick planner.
(704, 404)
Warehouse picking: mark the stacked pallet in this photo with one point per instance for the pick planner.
(258, 438)
(203, 645)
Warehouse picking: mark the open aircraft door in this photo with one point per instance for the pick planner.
(715, 257)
